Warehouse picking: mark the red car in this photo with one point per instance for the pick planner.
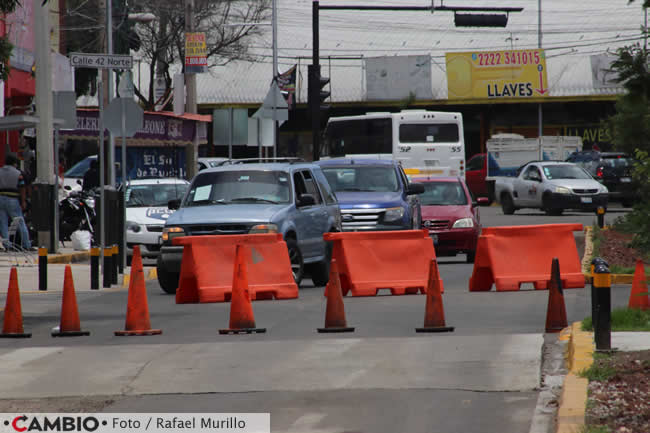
(451, 215)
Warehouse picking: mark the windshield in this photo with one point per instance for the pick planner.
(154, 194)
(565, 171)
(443, 194)
(362, 178)
(79, 169)
(225, 187)
(618, 162)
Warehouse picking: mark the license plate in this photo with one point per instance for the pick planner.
(585, 199)
(626, 180)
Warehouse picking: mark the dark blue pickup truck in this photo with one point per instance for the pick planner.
(373, 194)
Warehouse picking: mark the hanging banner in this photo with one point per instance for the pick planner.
(287, 85)
(196, 51)
(497, 74)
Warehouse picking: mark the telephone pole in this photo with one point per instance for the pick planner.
(192, 150)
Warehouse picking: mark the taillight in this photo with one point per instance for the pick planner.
(599, 172)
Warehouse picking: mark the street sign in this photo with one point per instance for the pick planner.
(123, 108)
(274, 98)
(101, 61)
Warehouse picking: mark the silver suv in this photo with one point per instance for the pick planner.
(291, 198)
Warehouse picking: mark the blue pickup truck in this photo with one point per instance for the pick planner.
(373, 194)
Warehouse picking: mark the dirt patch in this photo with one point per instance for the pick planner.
(622, 402)
(615, 249)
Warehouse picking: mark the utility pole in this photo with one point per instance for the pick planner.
(192, 150)
(540, 127)
(315, 60)
(44, 148)
(274, 22)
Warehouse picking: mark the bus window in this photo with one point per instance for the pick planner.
(360, 136)
(428, 133)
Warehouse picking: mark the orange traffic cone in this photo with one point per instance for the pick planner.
(137, 310)
(69, 325)
(242, 320)
(13, 321)
(434, 314)
(556, 311)
(335, 312)
(639, 295)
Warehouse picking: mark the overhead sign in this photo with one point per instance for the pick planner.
(101, 61)
(497, 74)
(196, 52)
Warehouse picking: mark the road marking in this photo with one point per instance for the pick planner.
(19, 357)
(307, 424)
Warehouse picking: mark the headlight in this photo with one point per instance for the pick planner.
(90, 202)
(133, 226)
(562, 190)
(170, 233)
(263, 228)
(463, 223)
(394, 213)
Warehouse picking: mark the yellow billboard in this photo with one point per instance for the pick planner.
(497, 74)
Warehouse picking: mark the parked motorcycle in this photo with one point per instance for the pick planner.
(77, 212)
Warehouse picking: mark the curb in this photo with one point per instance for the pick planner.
(573, 401)
(152, 274)
(81, 256)
(586, 262)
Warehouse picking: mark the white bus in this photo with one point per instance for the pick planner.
(427, 143)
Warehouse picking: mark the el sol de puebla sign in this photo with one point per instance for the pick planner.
(497, 74)
(101, 61)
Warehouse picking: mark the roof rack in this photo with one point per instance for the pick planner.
(262, 160)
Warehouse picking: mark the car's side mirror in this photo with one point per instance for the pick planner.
(306, 200)
(481, 201)
(174, 204)
(79, 182)
(414, 188)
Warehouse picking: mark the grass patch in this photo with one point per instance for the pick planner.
(616, 269)
(624, 319)
(596, 240)
(594, 429)
(600, 370)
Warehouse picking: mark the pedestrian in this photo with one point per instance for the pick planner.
(91, 177)
(12, 201)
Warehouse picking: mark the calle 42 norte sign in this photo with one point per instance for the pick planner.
(497, 74)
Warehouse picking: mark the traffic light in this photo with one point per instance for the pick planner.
(316, 93)
(480, 20)
(124, 36)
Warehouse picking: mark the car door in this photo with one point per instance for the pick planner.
(529, 189)
(475, 175)
(311, 218)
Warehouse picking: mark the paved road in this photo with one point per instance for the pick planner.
(382, 378)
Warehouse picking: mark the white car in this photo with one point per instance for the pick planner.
(210, 162)
(147, 211)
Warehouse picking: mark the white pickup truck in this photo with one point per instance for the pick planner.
(552, 186)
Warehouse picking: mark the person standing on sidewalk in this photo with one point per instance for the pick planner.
(12, 201)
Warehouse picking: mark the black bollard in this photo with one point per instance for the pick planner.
(42, 268)
(115, 265)
(94, 268)
(601, 216)
(596, 261)
(601, 284)
(108, 264)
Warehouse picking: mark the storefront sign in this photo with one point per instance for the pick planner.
(497, 74)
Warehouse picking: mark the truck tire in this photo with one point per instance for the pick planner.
(168, 280)
(295, 256)
(507, 204)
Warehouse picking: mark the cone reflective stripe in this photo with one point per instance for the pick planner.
(13, 315)
(556, 311)
(639, 298)
(335, 311)
(137, 310)
(434, 314)
(69, 325)
(242, 320)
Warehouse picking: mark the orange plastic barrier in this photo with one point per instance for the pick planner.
(395, 260)
(509, 256)
(208, 262)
